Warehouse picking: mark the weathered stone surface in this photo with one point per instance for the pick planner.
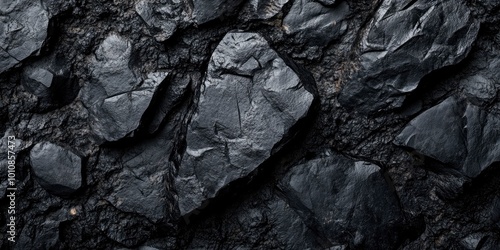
(313, 23)
(263, 9)
(163, 18)
(250, 100)
(404, 42)
(205, 11)
(116, 98)
(58, 170)
(479, 89)
(140, 184)
(348, 202)
(53, 89)
(23, 29)
(461, 135)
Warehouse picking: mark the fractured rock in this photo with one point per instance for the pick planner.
(58, 170)
(458, 134)
(250, 100)
(313, 23)
(406, 41)
(162, 18)
(115, 98)
(23, 29)
(263, 9)
(340, 197)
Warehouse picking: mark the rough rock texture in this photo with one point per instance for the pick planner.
(314, 24)
(58, 170)
(458, 134)
(23, 29)
(405, 41)
(116, 99)
(249, 102)
(250, 124)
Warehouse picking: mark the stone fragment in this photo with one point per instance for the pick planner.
(58, 170)
(250, 100)
(479, 89)
(116, 98)
(347, 202)
(205, 11)
(456, 133)
(163, 18)
(52, 89)
(263, 9)
(313, 23)
(406, 41)
(23, 29)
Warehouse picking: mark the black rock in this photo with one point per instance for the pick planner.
(313, 23)
(347, 202)
(250, 100)
(23, 29)
(404, 42)
(58, 170)
(205, 11)
(479, 89)
(263, 9)
(116, 98)
(163, 18)
(458, 134)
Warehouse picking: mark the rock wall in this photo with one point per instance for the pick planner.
(257, 124)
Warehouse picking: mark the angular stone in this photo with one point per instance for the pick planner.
(23, 29)
(336, 195)
(115, 98)
(456, 133)
(205, 11)
(58, 170)
(315, 24)
(479, 89)
(163, 18)
(250, 100)
(406, 41)
(263, 9)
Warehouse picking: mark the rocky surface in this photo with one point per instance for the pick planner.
(249, 102)
(23, 30)
(405, 41)
(58, 170)
(256, 124)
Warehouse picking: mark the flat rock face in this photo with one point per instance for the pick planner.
(58, 170)
(315, 24)
(116, 98)
(23, 29)
(250, 100)
(457, 133)
(338, 195)
(404, 42)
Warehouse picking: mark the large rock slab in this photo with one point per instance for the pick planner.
(313, 23)
(115, 97)
(250, 100)
(348, 202)
(58, 170)
(456, 133)
(23, 29)
(404, 42)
